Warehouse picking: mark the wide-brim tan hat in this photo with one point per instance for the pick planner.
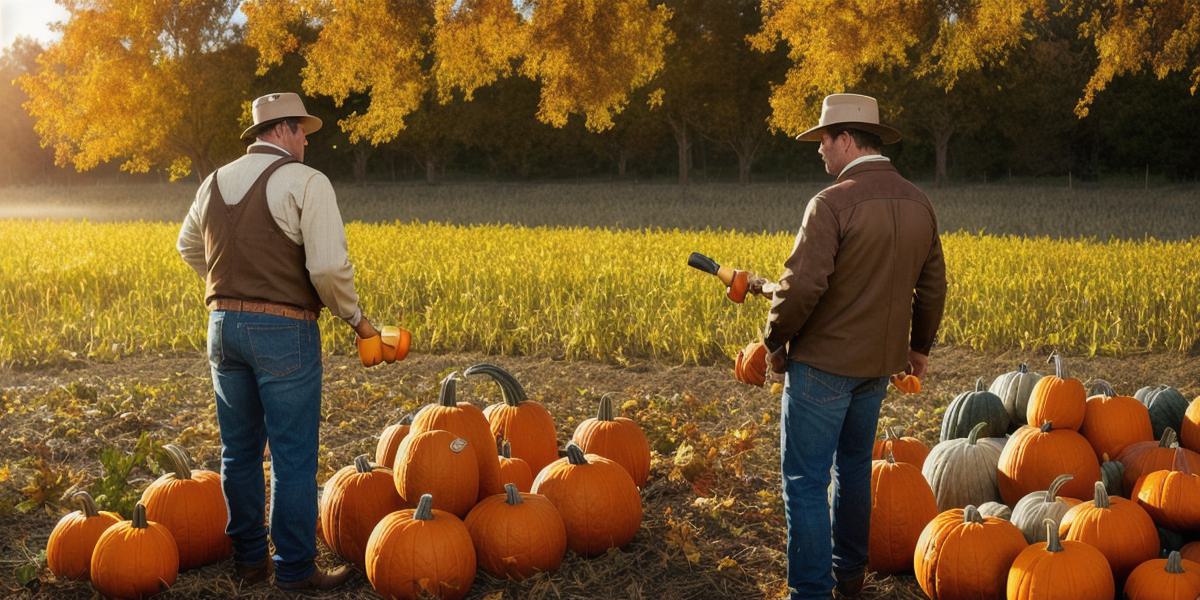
(851, 110)
(273, 107)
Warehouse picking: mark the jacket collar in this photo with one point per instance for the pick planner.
(865, 166)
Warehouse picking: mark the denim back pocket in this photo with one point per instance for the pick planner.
(216, 353)
(822, 388)
(276, 348)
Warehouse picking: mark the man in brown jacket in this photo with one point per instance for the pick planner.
(861, 298)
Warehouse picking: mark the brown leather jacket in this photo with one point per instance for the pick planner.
(865, 281)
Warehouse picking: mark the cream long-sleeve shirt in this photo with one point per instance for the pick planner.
(302, 201)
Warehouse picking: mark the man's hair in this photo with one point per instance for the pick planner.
(291, 122)
(865, 140)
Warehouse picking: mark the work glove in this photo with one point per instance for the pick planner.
(751, 365)
(389, 346)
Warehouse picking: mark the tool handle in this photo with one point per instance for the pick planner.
(703, 263)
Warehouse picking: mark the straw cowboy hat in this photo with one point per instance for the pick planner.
(271, 108)
(850, 110)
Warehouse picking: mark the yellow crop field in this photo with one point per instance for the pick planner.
(77, 289)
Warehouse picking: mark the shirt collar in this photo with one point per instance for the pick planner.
(262, 143)
(863, 159)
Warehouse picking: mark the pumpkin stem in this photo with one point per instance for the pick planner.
(511, 389)
(1101, 499)
(889, 457)
(512, 495)
(1022, 368)
(891, 433)
(979, 384)
(362, 464)
(448, 394)
(1047, 426)
(1169, 438)
(1105, 388)
(971, 514)
(406, 419)
(606, 410)
(506, 449)
(575, 454)
(975, 432)
(139, 517)
(177, 461)
(1180, 463)
(1053, 544)
(86, 504)
(424, 511)
(1060, 371)
(1175, 563)
(1061, 480)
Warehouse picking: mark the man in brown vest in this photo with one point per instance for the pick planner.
(266, 234)
(861, 298)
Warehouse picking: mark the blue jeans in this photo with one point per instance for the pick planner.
(266, 373)
(826, 415)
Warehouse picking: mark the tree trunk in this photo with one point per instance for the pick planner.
(941, 142)
(431, 171)
(622, 163)
(746, 149)
(684, 146)
(361, 154)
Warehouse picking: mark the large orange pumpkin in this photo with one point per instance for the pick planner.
(135, 558)
(69, 549)
(905, 449)
(596, 497)
(526, 424)
(1057, 399)
(1144, 457)
(962, 555)
(438, 463)
(616, 438)
(1112, 422)
(415, 553)
(902, 504)
(1034, 456)
(466, 421)
(189, 502)
(352, 503)
(516, 534)
(1171, 496)
(1171, 578)
(1118, 528)
(389, 441)
(514, 470)
(1189, 432)
(1038, 572)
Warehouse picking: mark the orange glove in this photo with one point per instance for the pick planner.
(751, 364)
(370, 350)
(907, 384)
(394, 343)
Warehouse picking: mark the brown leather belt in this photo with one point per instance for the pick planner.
(270, 308)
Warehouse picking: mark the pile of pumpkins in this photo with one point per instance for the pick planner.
(452, 489)
(1038, 490)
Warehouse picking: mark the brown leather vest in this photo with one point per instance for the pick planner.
(249, 256)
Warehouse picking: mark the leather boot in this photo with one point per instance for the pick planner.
(319, 580)
(252, 573)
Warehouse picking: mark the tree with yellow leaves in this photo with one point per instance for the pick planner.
(153, 84)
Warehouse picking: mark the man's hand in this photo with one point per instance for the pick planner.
(777, 364)
(365, 329)
(917, 363)
(756, 285)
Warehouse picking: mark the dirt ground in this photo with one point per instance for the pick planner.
(713, 524)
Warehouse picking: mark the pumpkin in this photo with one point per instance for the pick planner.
(1014, 389)
(352, 503)
(1191, 551)
(596, 497)
(466, 421)
(189, 502)
(963, 471)
(517, 534)
(962, 555)
(901, 506)
(1040, 571)
(1118, 528)
(971, 408)
(1171, 578)
(514, 470)
(616, 438)
(438, 463)
(1112, 422)
(389, 441)
(1189, 432)
(1032, 511)
(526, 424)
(905, 449)
(1144, 457)
(1170, 496)
(69, 549)
(1112, 475)
(1166, 405)
(1036, 455)
(1057, 399)
(135, 558)
(415, 553)
(906, 383)
(996, 509)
